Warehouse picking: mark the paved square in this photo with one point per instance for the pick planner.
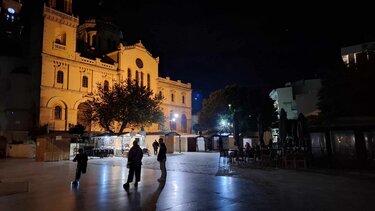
(191, 184)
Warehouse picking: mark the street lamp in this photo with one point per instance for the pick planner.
(173, 119)
(223, 122)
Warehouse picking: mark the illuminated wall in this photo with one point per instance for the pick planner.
(177, 104)
(67, 76)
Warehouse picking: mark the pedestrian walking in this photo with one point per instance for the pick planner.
(221, 145)
(81, 158)
(162, 158)
(155, 145)
(134, 164)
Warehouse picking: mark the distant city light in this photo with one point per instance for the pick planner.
(11, 10)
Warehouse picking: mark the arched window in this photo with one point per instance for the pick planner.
(172, 97)
(88, 40)
(129, 74)
(83, 116)
(85, 81)
(160, 94)
(183, 99)
(172, 121)
(141, 78)
(61, 38)
(93, 44)
(106, 85)
(58, 113)
(60, 77)
(148, 81)
(136, 76)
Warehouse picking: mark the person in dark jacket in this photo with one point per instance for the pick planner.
(155, 145)
(162, 158)
(81, 158)
(221, 145)
(134, 164)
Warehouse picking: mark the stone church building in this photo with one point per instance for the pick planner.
(66, 61)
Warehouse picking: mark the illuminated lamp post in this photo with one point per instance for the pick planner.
(173, 121)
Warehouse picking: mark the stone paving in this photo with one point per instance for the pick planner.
(195, 181)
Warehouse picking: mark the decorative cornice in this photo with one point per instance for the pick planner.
(60, 17)
(60, 64)
(85, 69)
(139, 44)
(78, 63)
(174, 83)
(175, 105)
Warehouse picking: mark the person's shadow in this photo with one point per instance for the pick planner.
(134, 198)
(150, 203)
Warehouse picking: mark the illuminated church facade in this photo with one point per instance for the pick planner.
(72, 58)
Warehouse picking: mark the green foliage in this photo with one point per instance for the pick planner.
(212, 108)
(126, 104)
(246, 103)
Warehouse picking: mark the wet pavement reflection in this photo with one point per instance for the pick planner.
(195, 181)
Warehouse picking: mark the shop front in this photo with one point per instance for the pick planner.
(116, 144)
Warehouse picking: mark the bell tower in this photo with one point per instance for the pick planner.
(64, 6)
(60, 27)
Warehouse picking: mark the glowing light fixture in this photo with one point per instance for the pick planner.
(11, 10)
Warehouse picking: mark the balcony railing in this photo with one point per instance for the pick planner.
(58, 46)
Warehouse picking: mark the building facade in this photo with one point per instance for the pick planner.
(297, 97)
(177, 104)
(358, 54)
(72, 58)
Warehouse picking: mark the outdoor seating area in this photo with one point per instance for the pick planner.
(294, 158)
(291, 153)
(240, 156)
(291, 158)
(282, 157)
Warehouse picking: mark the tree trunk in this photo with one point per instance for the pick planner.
(107, 128)
(123, 126)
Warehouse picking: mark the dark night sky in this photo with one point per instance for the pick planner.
(216, 43)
